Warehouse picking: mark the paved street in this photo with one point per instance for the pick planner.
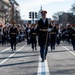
(27, 24)
(24, 61)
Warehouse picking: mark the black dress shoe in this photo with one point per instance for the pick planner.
(14, 48)
(53, 48)
(42, 60)
(35, 48)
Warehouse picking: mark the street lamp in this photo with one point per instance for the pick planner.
(12, 3)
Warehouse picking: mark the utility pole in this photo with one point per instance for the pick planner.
(12, 3)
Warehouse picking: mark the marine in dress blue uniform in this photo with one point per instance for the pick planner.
(53, 34)
(28, 29)
(73, 38)
(33, 35)
(13, 35)
(42, 35)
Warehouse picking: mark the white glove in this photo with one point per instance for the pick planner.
(49, 29)
(28, 30)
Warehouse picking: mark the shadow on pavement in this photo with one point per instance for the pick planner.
(19, 56)
(20, 63)
(63, 72)
(20, 52)
(59, 51)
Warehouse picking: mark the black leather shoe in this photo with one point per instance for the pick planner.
(42, 60)
(74, 49)
(35, 48)
(14, 48)
(53, 48)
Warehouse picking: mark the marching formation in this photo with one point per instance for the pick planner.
(13, 34)
(44, 33)
(47, 33)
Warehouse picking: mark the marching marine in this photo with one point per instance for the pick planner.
(28, 29)
(33, 35)
(43, 29)
(13, 35)
(53, 34)
(73, 38)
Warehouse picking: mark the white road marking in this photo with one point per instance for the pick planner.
(43, 68)
(5, 50)
(11, 55)
(47, 69)
(39, 67)
(68, 50)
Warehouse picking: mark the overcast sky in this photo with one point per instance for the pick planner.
(51, 6)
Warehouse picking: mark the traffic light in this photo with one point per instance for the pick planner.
(35, 14)
(29, 14)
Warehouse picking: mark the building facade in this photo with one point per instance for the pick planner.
(6, 11)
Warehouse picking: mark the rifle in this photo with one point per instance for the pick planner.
(46, 38)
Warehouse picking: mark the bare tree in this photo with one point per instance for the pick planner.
(56, 15)
(73, 7)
